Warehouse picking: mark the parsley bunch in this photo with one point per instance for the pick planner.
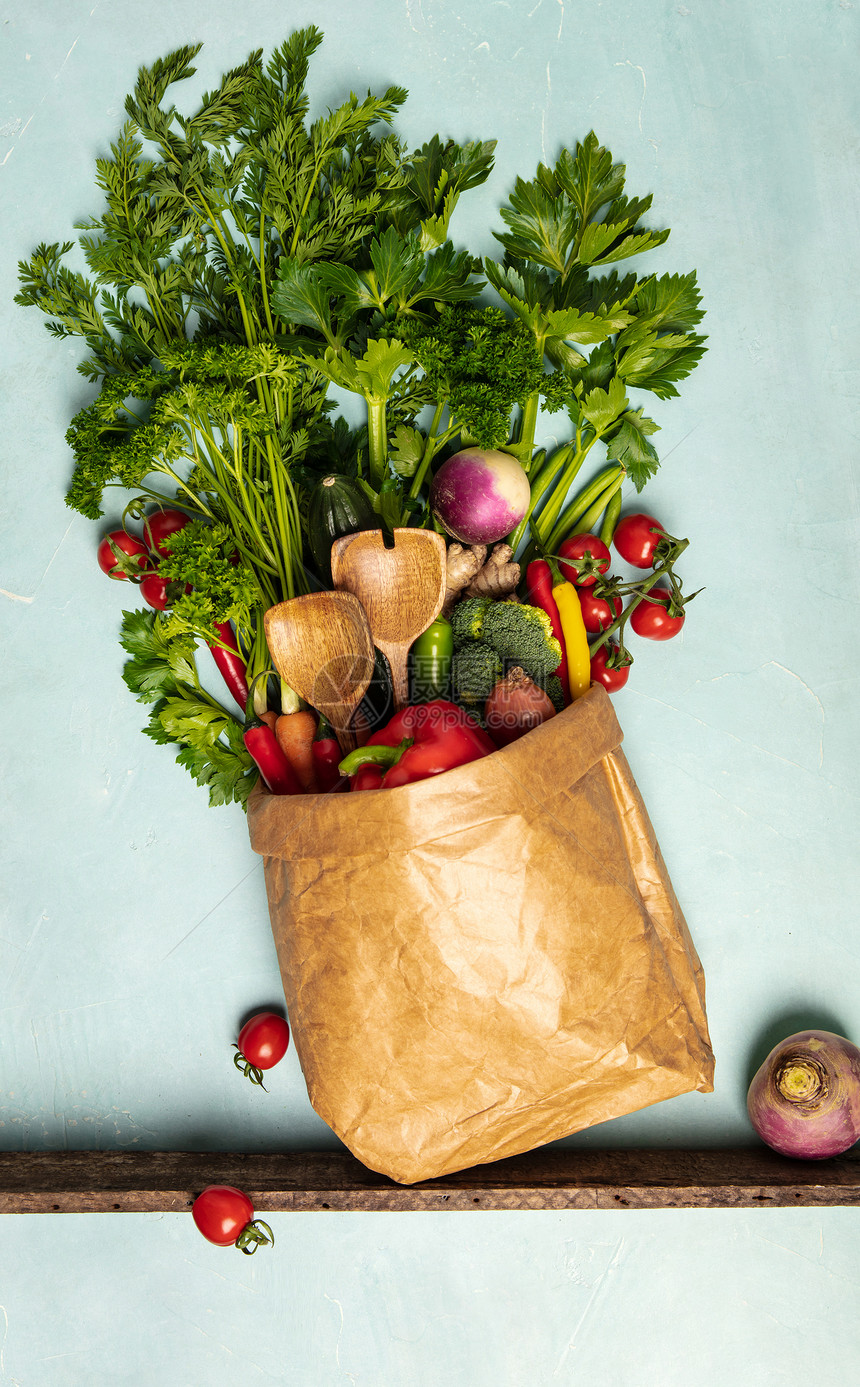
(247, 259)
(207, 394)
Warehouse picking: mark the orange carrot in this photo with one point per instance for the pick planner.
(295, 734)
(269, 717)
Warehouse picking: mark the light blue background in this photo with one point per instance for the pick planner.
(134, 935)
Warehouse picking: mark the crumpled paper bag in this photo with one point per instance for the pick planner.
(485, 961)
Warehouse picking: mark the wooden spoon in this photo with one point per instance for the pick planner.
(401, 589)
(321, 646)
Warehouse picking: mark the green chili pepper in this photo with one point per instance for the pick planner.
(378, 755)
(431, 657)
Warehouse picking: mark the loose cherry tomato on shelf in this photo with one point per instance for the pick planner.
(263, 1042)
(598, 612)
(611, 677)
(587, 558)
(225, 1217)
(636, 538)
(158, 528)
(653, 618)
(121, 555)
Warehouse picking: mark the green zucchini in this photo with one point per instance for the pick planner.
(337, 506)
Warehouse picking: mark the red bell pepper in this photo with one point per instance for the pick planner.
(421, 740)
(367, 777)
(539, 586)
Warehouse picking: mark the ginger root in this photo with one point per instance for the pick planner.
(463, 564)
(498, 576)
(471, 574)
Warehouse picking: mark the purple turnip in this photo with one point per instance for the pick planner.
(479, 495)
(805, 1099)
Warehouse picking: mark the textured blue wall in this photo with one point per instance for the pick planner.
(134, 933)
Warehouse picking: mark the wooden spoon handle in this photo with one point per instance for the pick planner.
(341, 719)
(397, 658)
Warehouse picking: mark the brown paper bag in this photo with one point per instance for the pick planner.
(487, 960)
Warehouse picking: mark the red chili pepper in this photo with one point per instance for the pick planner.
(326, 755)
(270, 761)
(539, 585)
(425, 739)
(231, 664)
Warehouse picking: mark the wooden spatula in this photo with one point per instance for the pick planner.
(321, 646)
(401, 589)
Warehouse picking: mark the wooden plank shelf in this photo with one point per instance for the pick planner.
(310, 1182)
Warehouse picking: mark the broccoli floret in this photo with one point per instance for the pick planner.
(475, 671)
(467, 618)
(553, 688)
(522, 635)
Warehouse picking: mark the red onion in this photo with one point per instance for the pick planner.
(516, 705)
(805, 1099)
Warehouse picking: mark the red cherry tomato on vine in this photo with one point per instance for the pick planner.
(136, 554)
(225, 1216)
(652, 618)
(589, 558)
(636, 537)
(598, 612)
(262, 1044)
(158, 528)
(611, 679)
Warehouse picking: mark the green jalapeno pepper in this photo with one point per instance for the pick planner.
(430, 661)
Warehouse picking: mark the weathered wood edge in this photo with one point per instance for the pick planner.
(307, 1182)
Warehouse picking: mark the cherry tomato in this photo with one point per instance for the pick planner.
(225, 1216)
(135, 551)
(159, 592)
(159, 527)
(262, 1044)
(153, 589)
(651, 618)
(611, 679)
(221, 1212)
(588, 558)
(598, 612)
(636, 538)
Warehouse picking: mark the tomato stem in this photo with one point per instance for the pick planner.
(255, 1234)
(250, 1070)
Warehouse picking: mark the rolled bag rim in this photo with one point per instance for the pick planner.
(592, 716)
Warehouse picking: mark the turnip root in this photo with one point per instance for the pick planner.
(480, 495)
(805, 1099)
